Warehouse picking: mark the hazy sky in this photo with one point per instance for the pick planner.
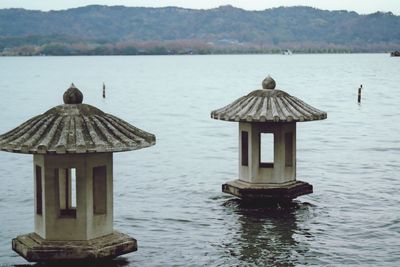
(360, 6)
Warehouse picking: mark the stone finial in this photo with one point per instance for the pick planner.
(268, 83)
(73, 95)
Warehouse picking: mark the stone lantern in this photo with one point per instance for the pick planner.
(72, 147)
(264, 113)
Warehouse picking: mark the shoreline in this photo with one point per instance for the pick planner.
(206, 54)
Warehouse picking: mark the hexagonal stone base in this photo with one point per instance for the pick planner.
(36, 249)
(267, 192)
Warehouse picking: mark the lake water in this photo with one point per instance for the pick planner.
(169, 196)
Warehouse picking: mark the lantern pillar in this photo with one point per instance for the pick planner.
(272, 112)
(72, 146)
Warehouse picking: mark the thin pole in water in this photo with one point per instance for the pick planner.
(359, 94)
(104, 90)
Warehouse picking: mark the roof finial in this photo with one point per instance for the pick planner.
(73, 95)
(268, 83)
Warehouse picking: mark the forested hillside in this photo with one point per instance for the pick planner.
(133, 30)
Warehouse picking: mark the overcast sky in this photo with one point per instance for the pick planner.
(360, 6)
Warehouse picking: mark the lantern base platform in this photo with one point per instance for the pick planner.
(36, 249)
(267, 192)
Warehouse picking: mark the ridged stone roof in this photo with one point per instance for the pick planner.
(268, 105)
(74, 128)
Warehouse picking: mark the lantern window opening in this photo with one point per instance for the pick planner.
(39, 191)
(266, 150)
(245, 148)
(67, 192)
(100, 190)
(289, 149)
(73, 188)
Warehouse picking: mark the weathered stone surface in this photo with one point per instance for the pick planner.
(284, 191)
(268, 105)
(268, 83)
(36, 249)
(73, 95)
(74, 128)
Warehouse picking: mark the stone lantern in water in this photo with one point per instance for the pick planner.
(264, 113)
(72, 147)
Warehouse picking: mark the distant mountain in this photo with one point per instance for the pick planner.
(298, 28)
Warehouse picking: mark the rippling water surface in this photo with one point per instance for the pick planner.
(168, 196)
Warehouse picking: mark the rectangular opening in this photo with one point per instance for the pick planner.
(39, 204)
(73, 188)
(245, 148)
(67, 191)
(100, 190)
(289, 149)
(266, 150)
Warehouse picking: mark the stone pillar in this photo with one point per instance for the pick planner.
(38, 170)
(282, 169)
(93, 215)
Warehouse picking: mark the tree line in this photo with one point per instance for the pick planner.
(176, 48)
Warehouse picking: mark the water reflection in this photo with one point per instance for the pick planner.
(118, 262)
(267, 235)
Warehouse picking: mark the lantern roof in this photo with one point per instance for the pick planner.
(74, 128)
(268, 105)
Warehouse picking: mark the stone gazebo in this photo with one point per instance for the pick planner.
(264, 112)
(72, 147)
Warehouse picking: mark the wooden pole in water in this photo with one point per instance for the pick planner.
(104, 90)
(359, 94)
